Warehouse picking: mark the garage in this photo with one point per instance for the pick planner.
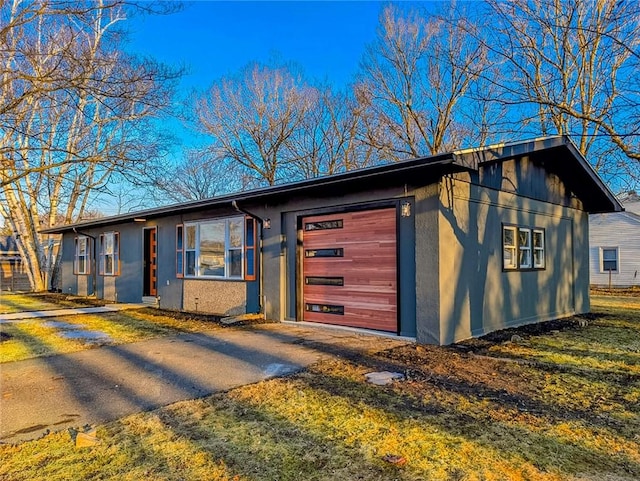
(349, 269)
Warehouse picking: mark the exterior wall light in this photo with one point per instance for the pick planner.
(266, 223)
(405, 209)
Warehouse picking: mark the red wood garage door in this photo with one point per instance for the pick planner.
(349, 269)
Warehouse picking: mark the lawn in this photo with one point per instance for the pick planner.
(44, 337)
(559, 402)
(12, 302)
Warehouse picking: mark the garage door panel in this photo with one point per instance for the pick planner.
(364, 300)
(350, 270)
(364, 272)
(366, 319)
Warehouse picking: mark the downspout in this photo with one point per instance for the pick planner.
(262, 300)
(94, 274)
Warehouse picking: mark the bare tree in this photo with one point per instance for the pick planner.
(276, 126)
(416, 82)
(201, 174)
(74, 110)
(251, 117)
(574, 68)
(329, 139)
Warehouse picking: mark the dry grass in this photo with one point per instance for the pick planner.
(12, 302)
(559, 405)
(32, 338)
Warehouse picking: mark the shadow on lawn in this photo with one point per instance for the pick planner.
(98, 387)
(500, 393)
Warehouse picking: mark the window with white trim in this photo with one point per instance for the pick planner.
(538, 248)
(109, 254)
(214, 248)
(609, 259)
(81, 258)
(523, 248)
(509, 246)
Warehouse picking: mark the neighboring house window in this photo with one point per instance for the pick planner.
(609, 259)
(110, 254)
(81, 259)
(214, 248)
(523, 248)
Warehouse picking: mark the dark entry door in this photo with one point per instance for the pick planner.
(150, 262)
(350, 269)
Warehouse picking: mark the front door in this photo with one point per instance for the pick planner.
(150, 262)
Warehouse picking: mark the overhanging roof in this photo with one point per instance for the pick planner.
(569, 163)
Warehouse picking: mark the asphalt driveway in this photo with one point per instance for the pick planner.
(107, 383)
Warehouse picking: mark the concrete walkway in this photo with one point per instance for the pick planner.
(107, 383)
(26, 315)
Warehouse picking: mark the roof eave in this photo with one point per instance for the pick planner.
(442, 160)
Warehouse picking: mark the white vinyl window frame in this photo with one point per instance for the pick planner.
(609, 259)
(81, 255)
(538, 248)
(205, 258)
(523, 248)
(109, 254)
(509, 247)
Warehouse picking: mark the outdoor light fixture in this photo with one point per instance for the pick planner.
(139, 219)
(266, 223)
(405, 209)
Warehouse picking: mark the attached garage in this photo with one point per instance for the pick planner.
(349, 269)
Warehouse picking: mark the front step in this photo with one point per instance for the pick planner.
(150, 301)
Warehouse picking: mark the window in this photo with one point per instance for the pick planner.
(110, 254)
(81, 260)
(522, 248)
(213, 248)
(337, 252)
(323, 225)
(538, 249)
(250, 249)
(609, 259)
(509, 247)
(179, 250)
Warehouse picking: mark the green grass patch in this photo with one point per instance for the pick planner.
(561, 405)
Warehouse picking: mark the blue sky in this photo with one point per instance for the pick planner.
(212, 39)
(215, 38)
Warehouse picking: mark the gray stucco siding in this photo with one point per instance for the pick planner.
(224, 297)
(478, 295)
(280, 243)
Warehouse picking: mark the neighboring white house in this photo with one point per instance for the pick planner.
(614, 245)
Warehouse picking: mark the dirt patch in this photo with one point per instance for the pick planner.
(66, 300)
(247, 320)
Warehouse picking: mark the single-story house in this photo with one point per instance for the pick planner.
(12, 274)
(439, 248)
(614, 245)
